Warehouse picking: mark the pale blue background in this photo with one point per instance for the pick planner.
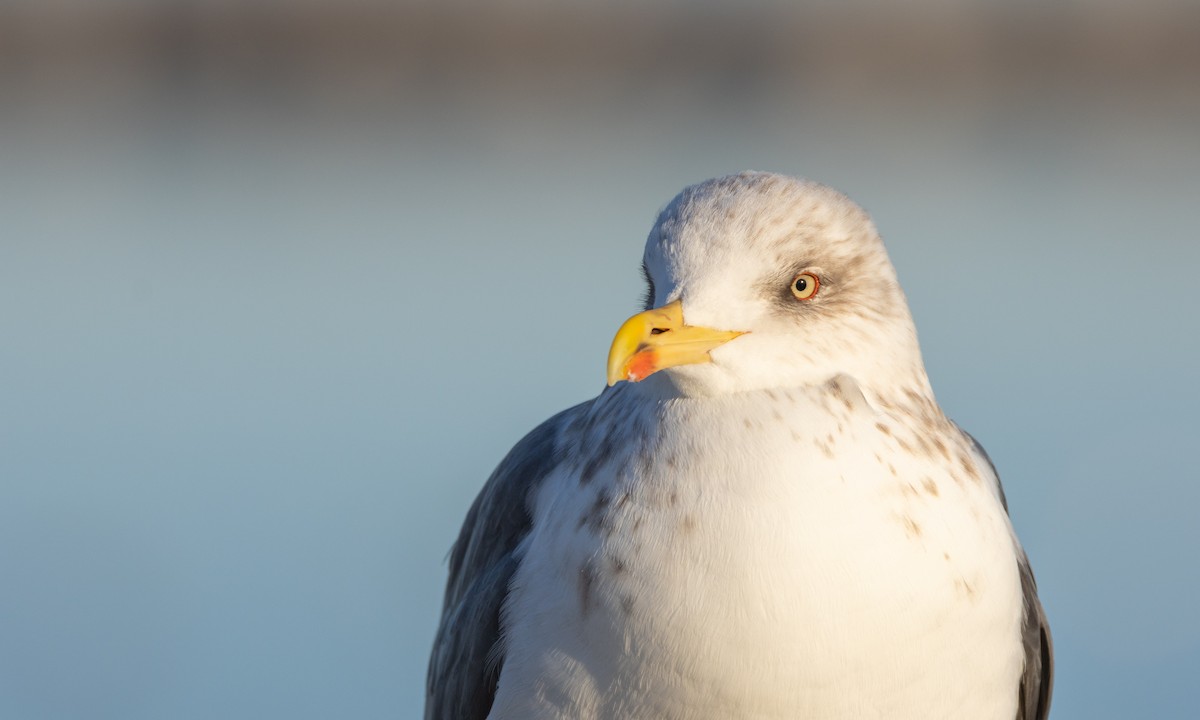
(260, 349)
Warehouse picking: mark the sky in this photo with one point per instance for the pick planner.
(261, 349)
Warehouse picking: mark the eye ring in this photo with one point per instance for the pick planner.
(805, 286)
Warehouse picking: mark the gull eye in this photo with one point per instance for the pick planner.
(805, 286)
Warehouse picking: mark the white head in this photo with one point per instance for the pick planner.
(796, 269)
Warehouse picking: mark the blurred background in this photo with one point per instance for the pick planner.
(268, 269)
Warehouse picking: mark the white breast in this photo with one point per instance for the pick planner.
(777, 556)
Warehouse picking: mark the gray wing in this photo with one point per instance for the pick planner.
(466, 659)
(1037, 680)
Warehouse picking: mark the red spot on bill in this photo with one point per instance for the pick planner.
(642, 365)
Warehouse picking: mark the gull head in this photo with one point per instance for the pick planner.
(758, 281)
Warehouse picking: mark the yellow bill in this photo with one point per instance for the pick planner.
(658, 339)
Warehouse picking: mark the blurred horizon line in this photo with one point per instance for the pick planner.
(359, 50)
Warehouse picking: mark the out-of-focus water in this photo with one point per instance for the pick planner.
(256, 367)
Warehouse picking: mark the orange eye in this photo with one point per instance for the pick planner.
(805, 286)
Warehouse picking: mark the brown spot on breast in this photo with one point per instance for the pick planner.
(892, 468)
(883, 428)
(922, 444)
(645, 461)
(596, 518)
(903, 445)
(772, 395)
(969, 467)
(967, 589)
(627, 604)
(618, 565)
(747, 423)
(941, 447)
(911, 528)
(930, 486)
(688, 524)
(835, 388)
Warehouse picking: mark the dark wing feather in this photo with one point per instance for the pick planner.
(1037, 680)
(465, 663)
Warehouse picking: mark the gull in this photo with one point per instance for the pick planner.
(765, 514)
